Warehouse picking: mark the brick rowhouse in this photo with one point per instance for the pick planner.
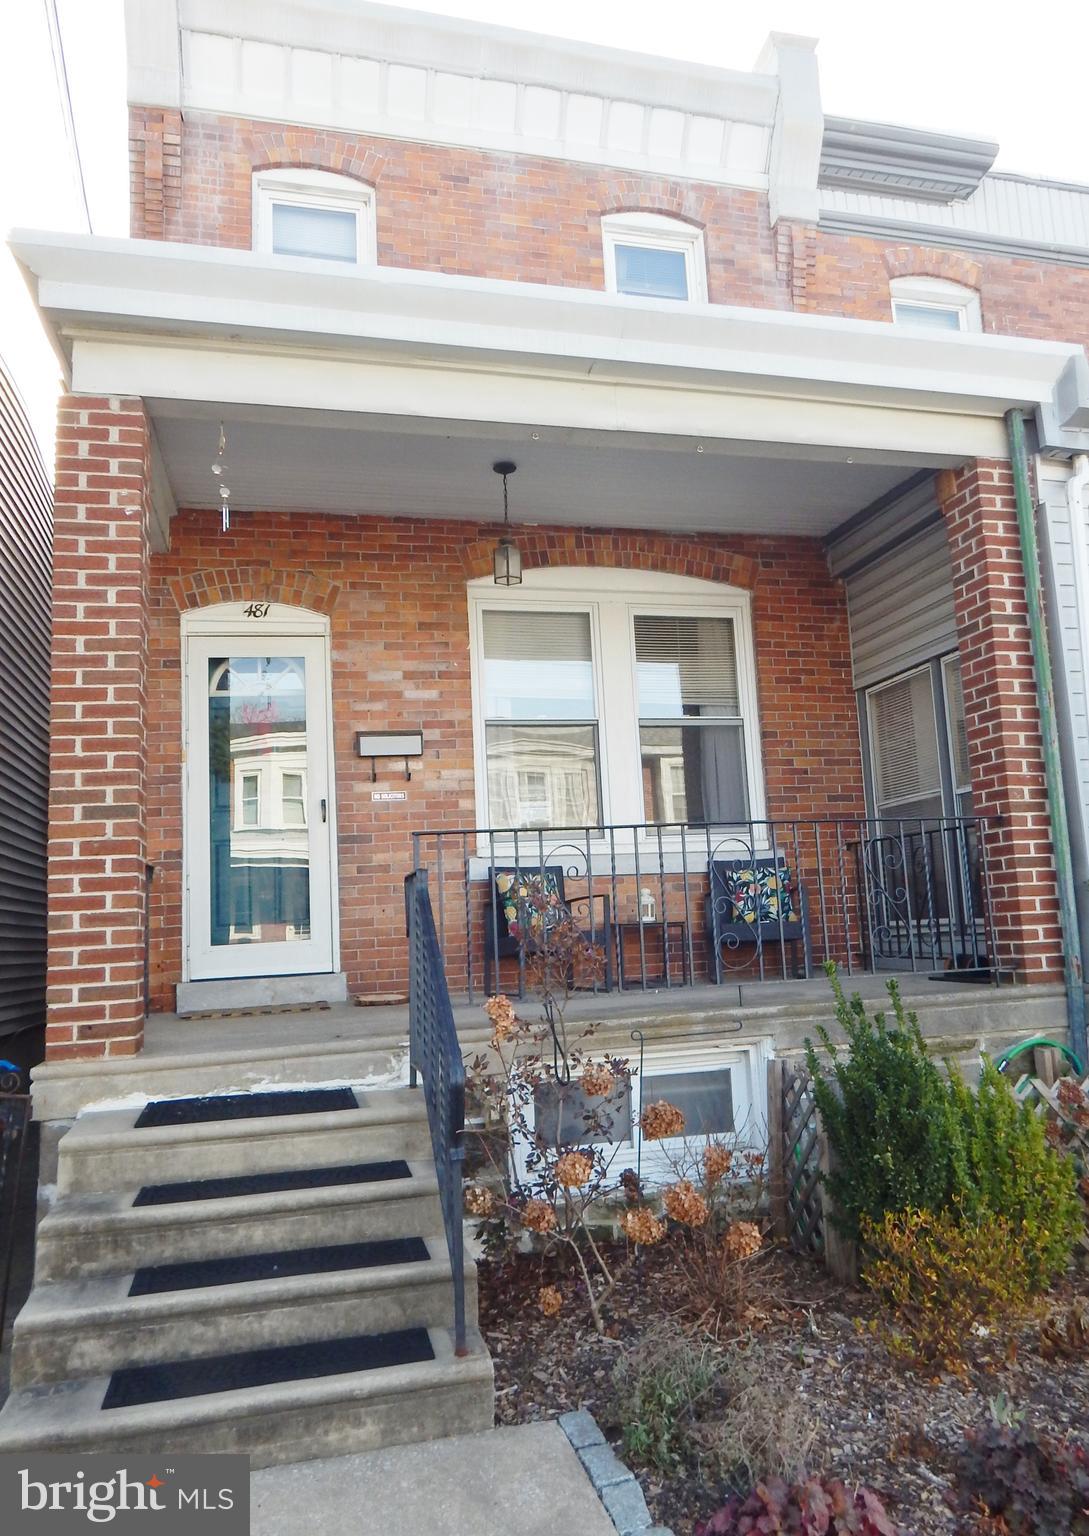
(395, 588)
(98, 789)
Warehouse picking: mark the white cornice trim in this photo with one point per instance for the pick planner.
(427, 41)
(127, 287)
(153, 50)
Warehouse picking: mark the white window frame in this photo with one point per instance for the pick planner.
(747, 1061)
(613, 598)
(314, 189)
(871, 734)
(657, 232)
(937, 293)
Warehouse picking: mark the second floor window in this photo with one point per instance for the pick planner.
(650, 256)
(934, 304)
(313, 214)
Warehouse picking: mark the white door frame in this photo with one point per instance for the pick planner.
(271, 627)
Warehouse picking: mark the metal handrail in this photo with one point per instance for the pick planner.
(435, 1062)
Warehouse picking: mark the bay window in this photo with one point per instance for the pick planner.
(614, 697)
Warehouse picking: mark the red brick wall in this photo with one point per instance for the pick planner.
(1005, 750)
(97, 802)
(850, 274)
(396, 594)
(460, 211)
(538, 220)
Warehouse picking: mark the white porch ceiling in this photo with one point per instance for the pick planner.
(352, 464)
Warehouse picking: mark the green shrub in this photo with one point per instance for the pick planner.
(888, 1113)
(907, 1137)
(1012, 1172)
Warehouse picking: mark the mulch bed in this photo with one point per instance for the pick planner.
(877, 1421)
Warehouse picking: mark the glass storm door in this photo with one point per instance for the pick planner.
(258, 818)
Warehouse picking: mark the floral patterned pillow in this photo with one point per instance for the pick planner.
(520, 893)
(759, 894)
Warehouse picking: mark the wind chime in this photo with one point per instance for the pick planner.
(219, 468)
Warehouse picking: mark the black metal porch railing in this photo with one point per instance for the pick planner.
(435, 1061)
(679, 904)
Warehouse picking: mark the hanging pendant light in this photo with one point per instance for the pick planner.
(507, 559)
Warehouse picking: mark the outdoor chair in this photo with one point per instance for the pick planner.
(757, 903)
(515, 923)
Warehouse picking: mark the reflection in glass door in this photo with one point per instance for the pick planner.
(258, 813)
(259, 855)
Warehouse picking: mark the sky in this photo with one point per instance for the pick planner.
(1016, 74)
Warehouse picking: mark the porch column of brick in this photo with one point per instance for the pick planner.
(1005, 751)
(97, 821)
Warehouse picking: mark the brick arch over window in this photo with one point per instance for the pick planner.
(272, 149)
(910, 261)
(618, 551)
(673, 200)
(246, 583)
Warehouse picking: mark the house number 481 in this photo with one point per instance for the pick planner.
(256, 611)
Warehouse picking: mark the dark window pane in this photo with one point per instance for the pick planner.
(706, 1099)
(693, 773)
(651, 273)
(563, 1116)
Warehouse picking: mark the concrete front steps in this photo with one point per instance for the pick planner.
(245, 1347)
(88, 1234)
(105, 1151)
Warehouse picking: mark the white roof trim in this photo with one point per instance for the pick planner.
(135, 286)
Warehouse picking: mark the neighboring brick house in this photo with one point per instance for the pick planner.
(752, 364)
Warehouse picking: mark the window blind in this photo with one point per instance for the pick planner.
(905, 740)
(651, 272)
(537, 666)
(685, 667)
(298, 230)
(512, 634)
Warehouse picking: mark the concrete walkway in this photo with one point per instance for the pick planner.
(524, 1478)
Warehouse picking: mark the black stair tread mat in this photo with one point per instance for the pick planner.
(196, 1274)
(272, 1183)
(244, 1106)
(264, 1367)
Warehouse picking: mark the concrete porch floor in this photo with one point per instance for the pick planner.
(367, 1045)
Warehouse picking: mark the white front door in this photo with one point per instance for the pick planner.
(259, 812)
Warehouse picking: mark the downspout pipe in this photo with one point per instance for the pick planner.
(1049, 729)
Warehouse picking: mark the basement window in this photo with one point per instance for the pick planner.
(650, 256)
(934, 304)
(315, 215)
